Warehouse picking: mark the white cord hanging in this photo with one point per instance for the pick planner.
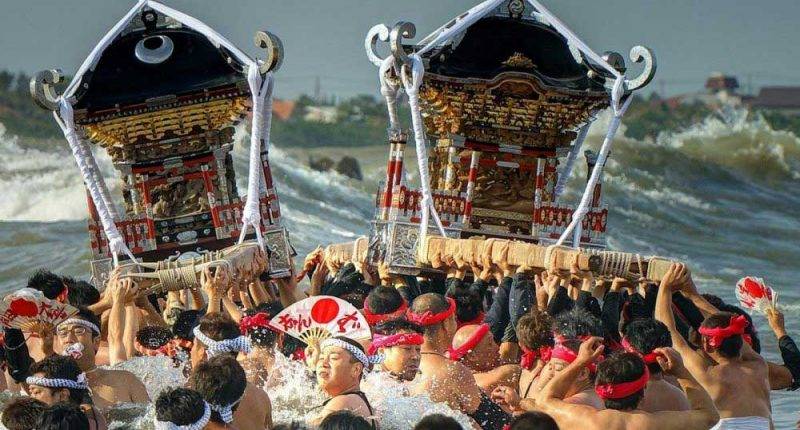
(262, 113)
(583, 206)
(570, 163)
(261, 93)
(411, 87)
(65, 119)
(450, 30)
(390, 91)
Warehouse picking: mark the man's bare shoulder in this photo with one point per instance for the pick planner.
(117, 375)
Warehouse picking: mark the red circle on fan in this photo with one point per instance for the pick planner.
(324, 311)
(24, 308)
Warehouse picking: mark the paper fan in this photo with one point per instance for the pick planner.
(754, 294)
(317, 318)
(28, 309)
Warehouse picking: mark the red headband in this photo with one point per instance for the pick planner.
(379, 341)
(529, 356)
(429, 318)
(561, 352)
(470, 344)
(475, 321)
(259, 320)
(375, 319)
(717, 335)
(623, 389)
(648, 358)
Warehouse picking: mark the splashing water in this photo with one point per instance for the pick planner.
(720, 194)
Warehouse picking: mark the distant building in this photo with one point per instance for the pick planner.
(719, 83)
(721, 90)
(283, 109)
(326, 114)
(782, 99)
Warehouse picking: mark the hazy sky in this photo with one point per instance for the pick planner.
(324, 38)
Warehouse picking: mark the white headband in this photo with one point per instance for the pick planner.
(80, 384)
(199, 425)
(225, 412)
(213, 347)
(355, 351)
(84, 323)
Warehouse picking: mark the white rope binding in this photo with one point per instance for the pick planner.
(262, 112)
(261, 94)
(565, 174)
(447, 33)
(238, 344)
(199, 425)
(412, 90)
(79, 384)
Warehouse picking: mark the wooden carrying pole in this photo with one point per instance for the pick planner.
(437, 249)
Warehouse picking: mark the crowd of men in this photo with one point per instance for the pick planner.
(509, 347)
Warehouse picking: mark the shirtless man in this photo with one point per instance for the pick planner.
(340, 366)
(570, 327)
(732, 373)
(58, 379)
(445, 380)
(217, 334)
(184, 408)
(383, 303)
(535, 335)
(399, 342)
(259, 363)
(480, 353)
(222, 383)
(621, 381)
(643, 336)
(79, 337)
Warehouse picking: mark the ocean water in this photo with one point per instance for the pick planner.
(720, 195)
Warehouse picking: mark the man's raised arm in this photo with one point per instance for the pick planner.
(664, 314)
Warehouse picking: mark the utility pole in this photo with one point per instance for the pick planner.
(317, 90)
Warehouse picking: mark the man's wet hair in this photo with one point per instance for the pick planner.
(730, 347)
(219, 327)
(533, 421)
(647, 334)
(430, 302)
(535, 329)
(50, 284)
(63, 416)
(61, 367)
(344, 420)
(81, 293)
(438, 422)
(400, 325)
(618, 368)
(180, 406)
(22, 413)
(750, 330)
(221, 380)
(578, 323)
(469, 302)
(185, 323)
(264, 337)
(153, 336)
(383, 300)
